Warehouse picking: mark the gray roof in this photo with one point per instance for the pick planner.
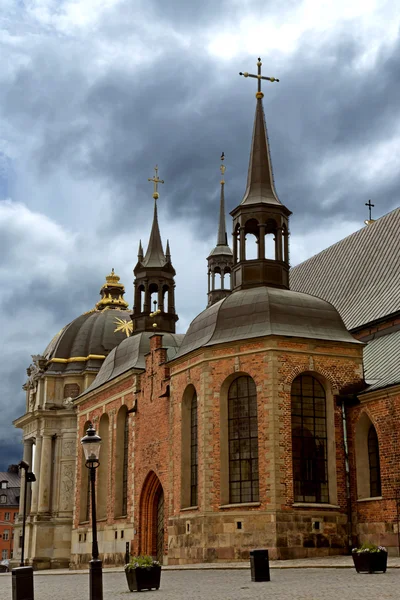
(382, 361)
(93, 333)
(130, 354)
(155, 256)
(13, 479)
(12, 492)
(360, 275)
(261, 311)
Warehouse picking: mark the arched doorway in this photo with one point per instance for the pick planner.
(152, 518)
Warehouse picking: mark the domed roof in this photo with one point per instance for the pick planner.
(261, 311)
(84, 343)
(131, 354)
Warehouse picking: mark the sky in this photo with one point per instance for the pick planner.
(94, 93)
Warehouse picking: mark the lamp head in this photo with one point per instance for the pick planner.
(91, 443)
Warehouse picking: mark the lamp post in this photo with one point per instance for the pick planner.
(91, 443)
(22, 577)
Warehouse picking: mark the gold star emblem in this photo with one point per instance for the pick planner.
(125, 326)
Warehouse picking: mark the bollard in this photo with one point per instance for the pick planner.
(259, 565)
(22, 583)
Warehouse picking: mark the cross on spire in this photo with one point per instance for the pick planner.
(259, 77)
(369, 206)
(156, 180)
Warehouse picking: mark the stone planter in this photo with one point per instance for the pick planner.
(143, 578)
(370, 562)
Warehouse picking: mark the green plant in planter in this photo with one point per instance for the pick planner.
(143, 573)
(370, 558)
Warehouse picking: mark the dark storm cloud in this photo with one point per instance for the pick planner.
(180, 107)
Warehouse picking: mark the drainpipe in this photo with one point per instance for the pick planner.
(347, 468)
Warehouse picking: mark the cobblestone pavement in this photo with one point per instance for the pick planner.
(286, 584)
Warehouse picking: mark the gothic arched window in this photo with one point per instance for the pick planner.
(243, 441)
(193, 451)
(121, 463)
(309, 440)
(374, 464)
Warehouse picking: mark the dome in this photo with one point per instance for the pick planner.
(261, 311)
(131, 354)
(83, 344)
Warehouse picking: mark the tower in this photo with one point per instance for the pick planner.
(154, 286)
(220, 260)
(260, 214)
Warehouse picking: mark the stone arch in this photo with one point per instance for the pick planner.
(84, 504)
(121, 462)
(330, 431)
(152, 518)
(252, 238)
(224, 432)
(103, 470)
(363, 467)
(186, 445)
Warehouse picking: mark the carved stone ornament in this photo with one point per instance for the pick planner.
(34, 372)
(68, 402)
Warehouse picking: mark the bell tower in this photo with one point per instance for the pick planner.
(220, 260)
(154, 285)
(260, 214)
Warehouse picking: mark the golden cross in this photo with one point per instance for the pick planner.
(222, 168)
(259, 93)
(156, 181)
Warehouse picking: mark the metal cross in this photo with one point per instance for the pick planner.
(259, 93)
(156, 181)
(369, 206)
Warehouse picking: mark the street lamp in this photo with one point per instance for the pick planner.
(91, 443)
(22, 585)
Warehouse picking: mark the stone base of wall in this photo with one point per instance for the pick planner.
(231, 535)
(381, 534)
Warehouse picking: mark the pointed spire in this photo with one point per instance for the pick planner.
(155, 256)
(140, 251)
(168, 252)
(222, 238)
(260, 179)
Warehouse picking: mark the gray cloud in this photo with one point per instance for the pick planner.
(87, 112)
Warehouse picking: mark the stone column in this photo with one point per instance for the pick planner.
(235, 240)
(213, 280)
(36, 470)
(286, 245)
(146, 304)
(278, 244)
(171, 299)
(45, 475)
(261, 245)
(27, 457)
(242, 240)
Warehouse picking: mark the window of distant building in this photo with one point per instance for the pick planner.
(3, 499)
(7, 516)
(4, 554)
(15, 516)
(6, 535)
(3, 485)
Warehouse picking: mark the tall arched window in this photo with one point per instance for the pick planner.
(309, 440)
(85, 484)
(102, 471)
(121, 463)
(243, 441)
(193, 451)
(374, 464)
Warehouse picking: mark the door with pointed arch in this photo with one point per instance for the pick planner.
(152, 518)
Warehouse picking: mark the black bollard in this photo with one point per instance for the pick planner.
(22, 583)
(259, 565)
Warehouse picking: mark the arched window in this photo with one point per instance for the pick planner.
(85, 484)
(374, 464)
(121, 463)
(243, 441)
(102, 471)
(193, 451)
(309, 440)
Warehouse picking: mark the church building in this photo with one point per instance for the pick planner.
(267, 424)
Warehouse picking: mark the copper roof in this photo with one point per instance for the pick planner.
(262, 311)
(360, 275)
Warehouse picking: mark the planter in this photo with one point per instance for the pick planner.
(370, 562)
(143, 578)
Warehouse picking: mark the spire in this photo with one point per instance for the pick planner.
(168, 252)
(222, 239)
(260, 179)
(220, 260)
(112, 293)
(155, 256)
(140, 251)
